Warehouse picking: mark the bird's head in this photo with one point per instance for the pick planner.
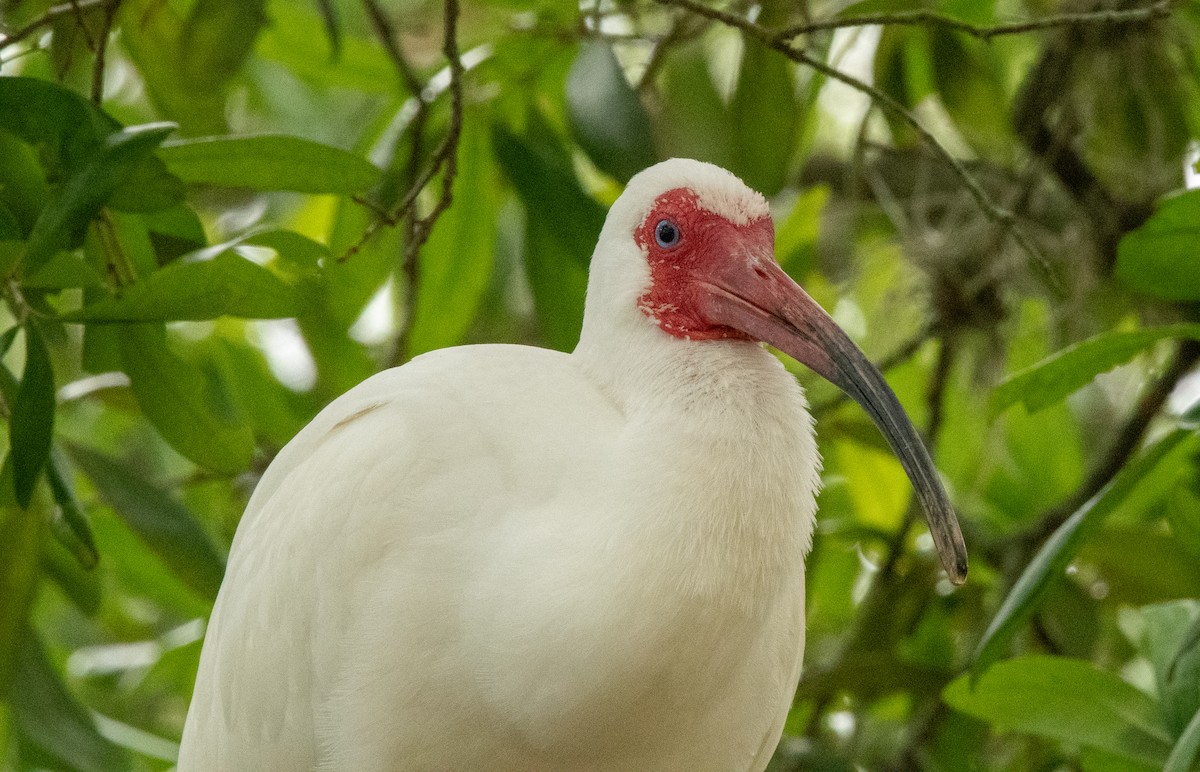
(695, 248)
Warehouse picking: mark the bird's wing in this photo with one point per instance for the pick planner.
(399, 462)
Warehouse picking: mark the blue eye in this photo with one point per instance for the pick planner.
(667, 234)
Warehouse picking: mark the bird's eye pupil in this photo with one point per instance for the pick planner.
(666, 233)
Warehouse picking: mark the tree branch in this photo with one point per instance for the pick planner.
(1113, 16)
(1003, 218)
(50, 16)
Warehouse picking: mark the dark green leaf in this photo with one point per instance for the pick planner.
(204, 287)
(217, 37)
(32, 424)
(20, 537)
(62, 222)
(1161, 257)
(1067, 700)
(270, 162)
(1061, 373)
(48, 716)
(164, 524)
(456, 262)
(695, 122)
(181, 402)
(1187, 748)
(766, 118)
(541, 173)
(1058, 551)
(70, 524)
(606, 115)
(559, 285)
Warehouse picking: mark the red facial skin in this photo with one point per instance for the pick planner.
(678, 273)
(721, 281)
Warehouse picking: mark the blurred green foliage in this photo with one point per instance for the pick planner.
(217, 215)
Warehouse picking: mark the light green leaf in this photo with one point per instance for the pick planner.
(606, 116)
(456, 262)
(1052, 559)
(694, 121)
(1061, 373)
(152, 33)
(1161, 258)
(204, 287)
(63, 270)
(161, 522)
(49, 717)
(1067, 700)
(32, 424)
(269, 162)
(181, 402)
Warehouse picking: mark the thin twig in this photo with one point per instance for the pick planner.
(51, 14)
(1113, 16)
(1001, 217)
(387, 36)
(101, 48)
(445, 158)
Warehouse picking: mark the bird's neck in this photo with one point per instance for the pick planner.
(734, 509)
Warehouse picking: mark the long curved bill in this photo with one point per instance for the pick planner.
(755, 296)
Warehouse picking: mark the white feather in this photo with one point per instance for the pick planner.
(505, 558)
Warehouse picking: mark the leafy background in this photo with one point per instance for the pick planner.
(217, 215)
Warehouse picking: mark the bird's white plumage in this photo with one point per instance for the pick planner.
(505, 558)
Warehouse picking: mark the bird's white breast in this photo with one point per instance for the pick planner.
(572, 574)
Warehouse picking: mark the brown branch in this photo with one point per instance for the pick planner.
(49, 17)
(101, 48)
(1114, 16)
(445, 158)
(1003, 218)
(387, 36)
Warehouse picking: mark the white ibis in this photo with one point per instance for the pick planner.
(506, 558)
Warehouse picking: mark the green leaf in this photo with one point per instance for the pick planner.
(456, 262)
(555, 257)
(206, 286)
(62, 222)
(1061, 373)
(216, 38)
(1161, 257)
(63, 270)
(181, 402)
(270, 162)
(70, 524)
(48, 716)
(1187, 748)
(1052, 559)
(606, 116)
(766, 117)
(1066, 700)
(162, 523)
(152, 34)
(20, 537)
(694, 122)
(32, 425)
(540, 170)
